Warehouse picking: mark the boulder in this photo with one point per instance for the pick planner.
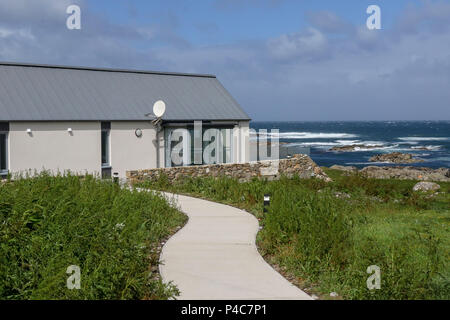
(426, 186)
(395, 157)
(344, 168)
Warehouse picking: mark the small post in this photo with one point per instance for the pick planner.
(266, 202)
(116, 177)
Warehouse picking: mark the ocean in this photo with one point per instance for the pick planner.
(427, 140)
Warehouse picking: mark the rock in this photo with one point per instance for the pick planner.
(376, 199)
(341, 195)
(315, 297)
(395, 157)
(333, 294)
(344, 168)
(426, 186)
(406, 173)
(354, 147)
(443, 171)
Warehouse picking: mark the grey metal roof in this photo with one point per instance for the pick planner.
(56, 93)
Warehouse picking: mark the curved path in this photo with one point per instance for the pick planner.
(215, 257)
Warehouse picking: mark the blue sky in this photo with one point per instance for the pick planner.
(281, 59)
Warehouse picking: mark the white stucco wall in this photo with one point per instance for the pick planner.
(162, 153)
(50, 146)
(129, 152)
(245, 141)
(241, 142)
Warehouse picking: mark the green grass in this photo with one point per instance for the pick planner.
(328, 242)
(49, 223)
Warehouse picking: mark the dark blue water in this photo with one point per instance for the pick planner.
(391, 136)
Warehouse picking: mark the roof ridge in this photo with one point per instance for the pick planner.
(49, 66)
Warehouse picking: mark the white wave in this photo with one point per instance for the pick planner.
(310, 135)
(429, 148)
(347, 142)
(337, 143)
(310, 144)
(373, 143)
(424, 138)
(377, 147)
(441, 159)
(326, 143)
(359, 163)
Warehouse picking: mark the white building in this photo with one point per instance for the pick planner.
(99, 121)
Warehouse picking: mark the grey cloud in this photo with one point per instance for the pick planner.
(310, 44)
(34, 13)
(329, 22)
(432, 16)
(38, 33)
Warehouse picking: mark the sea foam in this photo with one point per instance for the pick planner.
(424, 138)
(311, 135)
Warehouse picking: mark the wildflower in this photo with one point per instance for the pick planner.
(119, 226)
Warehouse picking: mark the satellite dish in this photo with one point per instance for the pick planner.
(159, 108)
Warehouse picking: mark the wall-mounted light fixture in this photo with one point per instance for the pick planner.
(29, 131)
(138, 133)
(69, 130)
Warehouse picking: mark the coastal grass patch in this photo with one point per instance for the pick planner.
(326, 235)
(48, 223)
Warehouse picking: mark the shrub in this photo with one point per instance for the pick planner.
(329, 241)
(48, 223)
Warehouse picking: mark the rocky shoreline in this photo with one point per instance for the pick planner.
(399, 172)
(395, 157)
(354, 147)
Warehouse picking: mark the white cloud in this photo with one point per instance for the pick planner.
(308, 44)
(16, 33)
(329, 22)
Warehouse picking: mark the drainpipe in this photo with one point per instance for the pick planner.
(157, 148)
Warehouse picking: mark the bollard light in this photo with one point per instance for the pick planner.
(266, 202)
(116, 177)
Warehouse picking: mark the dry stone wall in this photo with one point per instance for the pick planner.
(300, 165)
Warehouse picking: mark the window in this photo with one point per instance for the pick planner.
(4, 129)
(225, 154)
(3, 152)
(106, 127)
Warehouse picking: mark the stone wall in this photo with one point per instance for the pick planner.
(300, 165)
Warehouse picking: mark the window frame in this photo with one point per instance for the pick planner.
(106, 128)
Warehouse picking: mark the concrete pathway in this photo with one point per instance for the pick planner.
(215, 257)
